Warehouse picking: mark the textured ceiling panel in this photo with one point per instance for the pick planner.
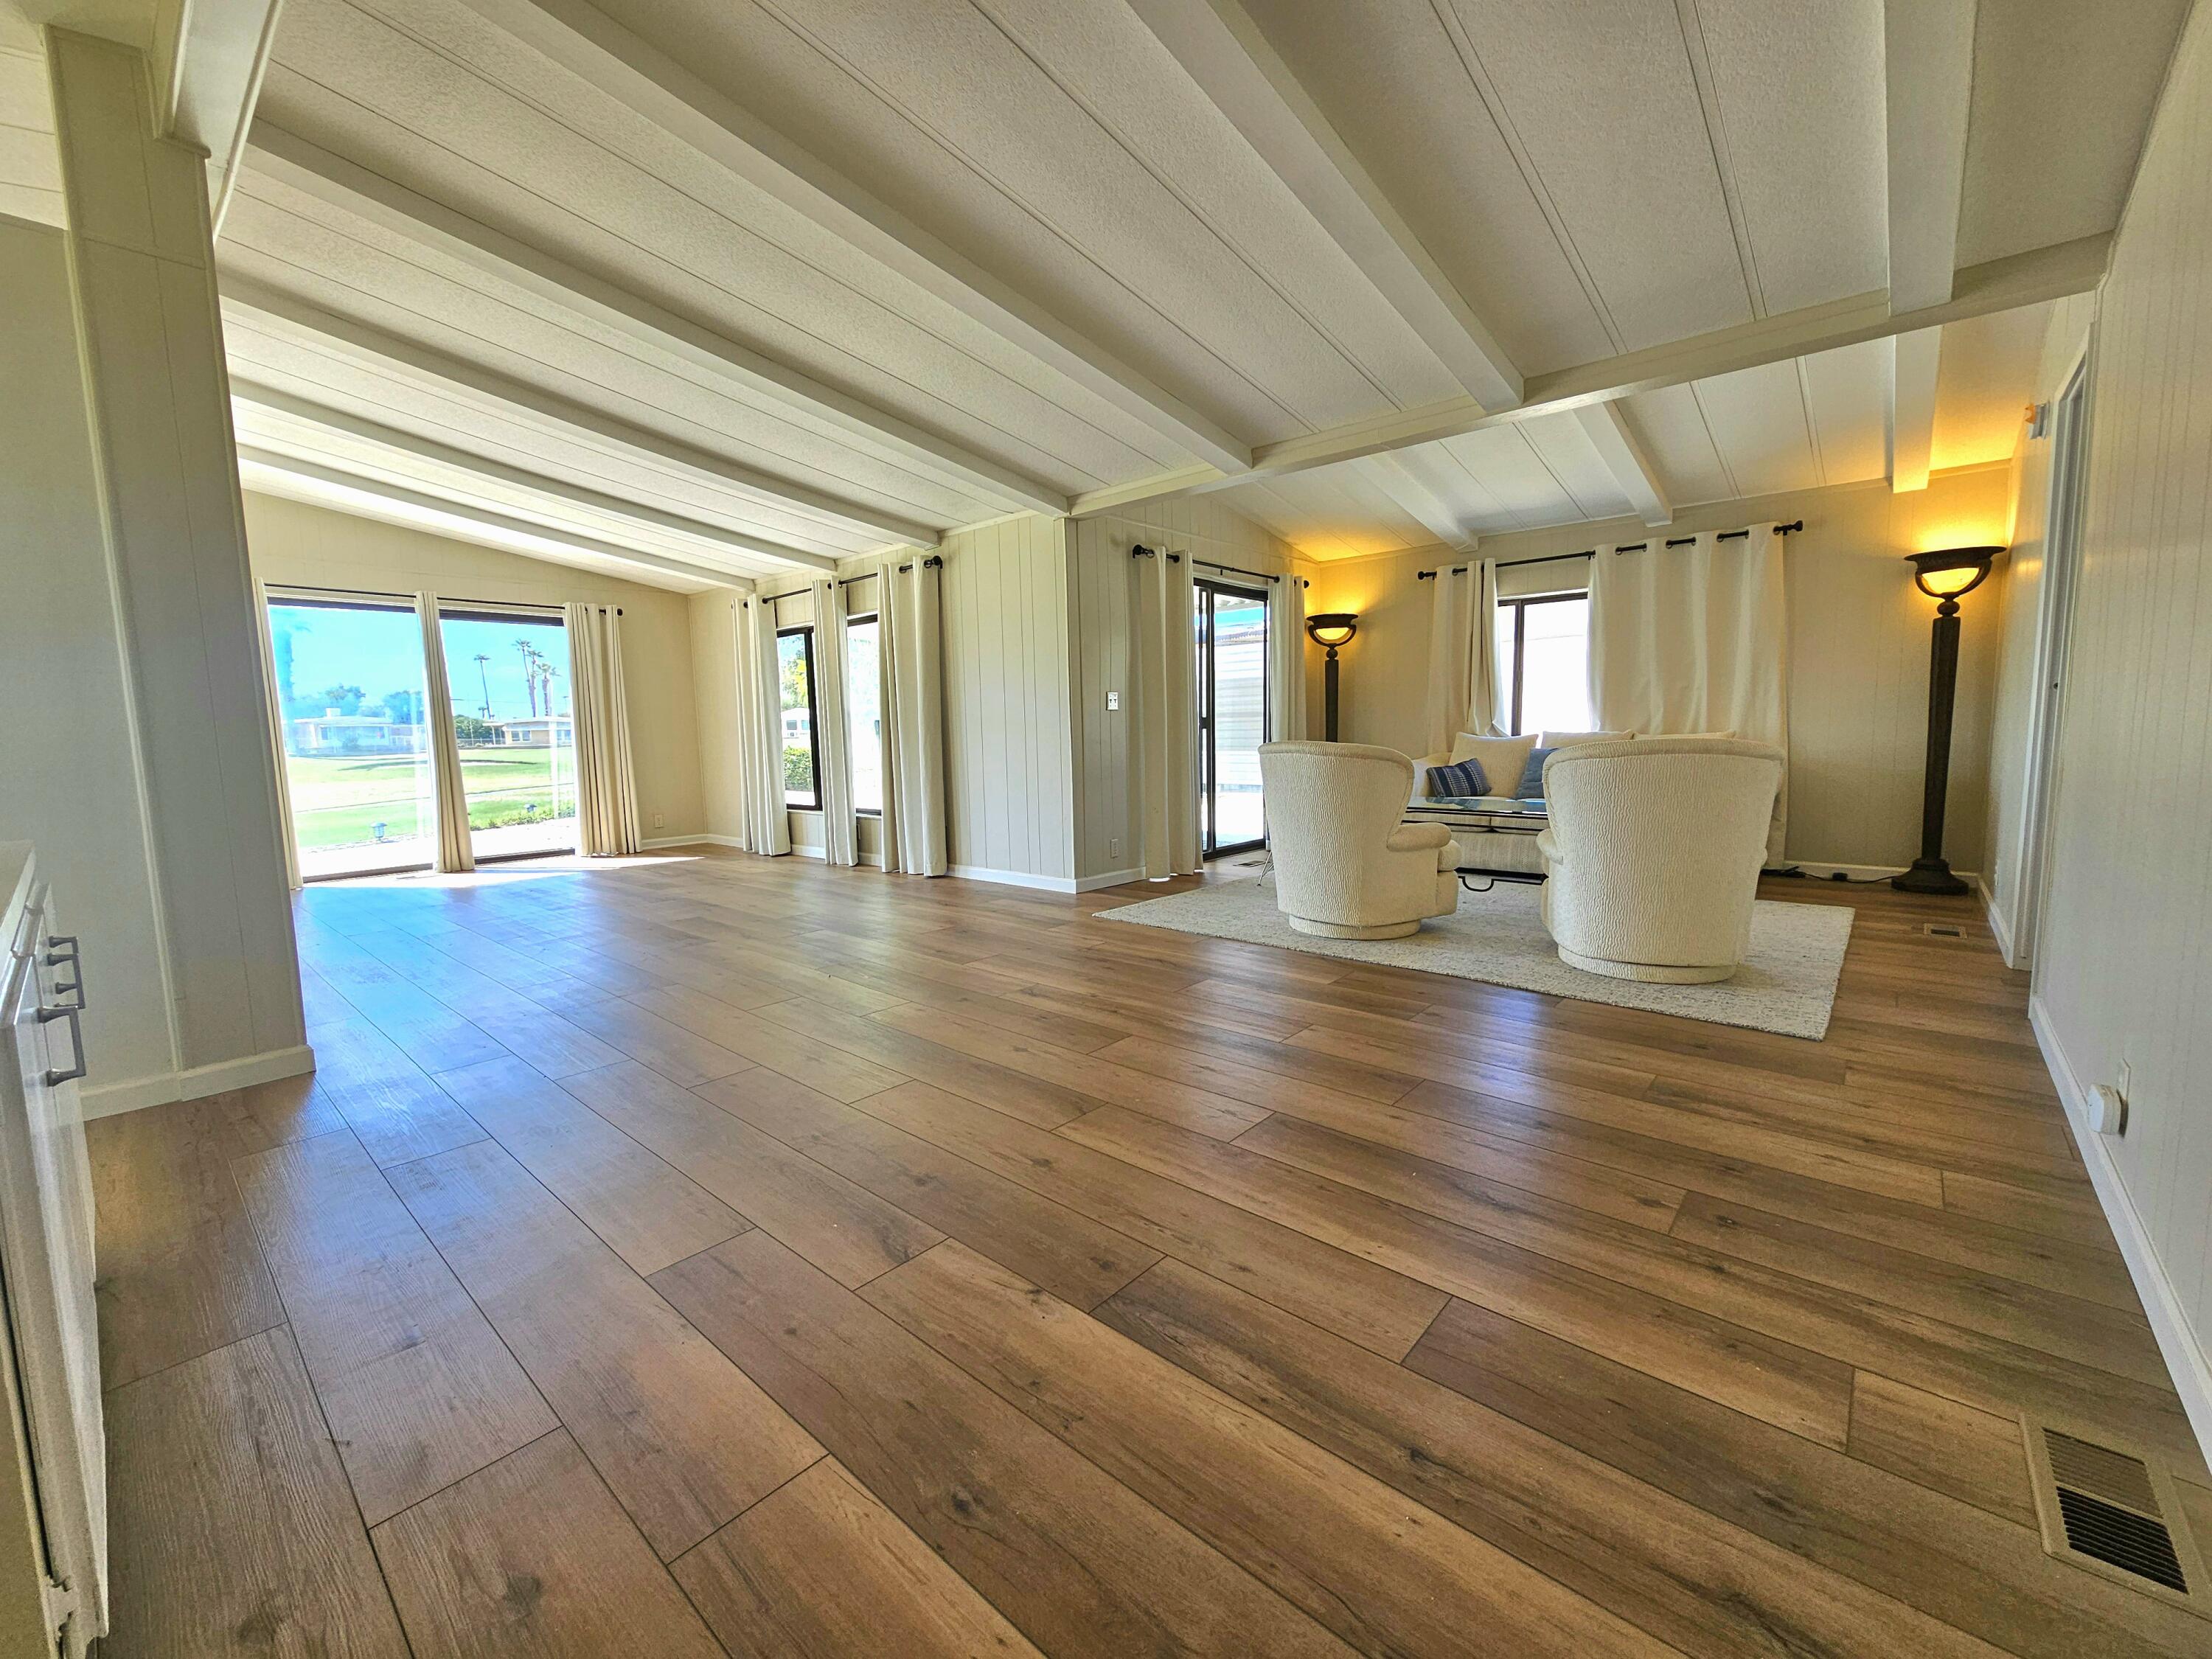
(353, 270)
(2063, 92)
(1560, 446)
(502, 433)
(1757, 418)
(1796, 119)
(1848, 392)
(1983, 383)
(1672, 427)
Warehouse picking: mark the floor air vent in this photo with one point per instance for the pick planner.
(2111, 1511)
(1942, 930)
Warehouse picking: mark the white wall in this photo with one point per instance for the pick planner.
(2124, 959)
(2064, 339)
(315, 547)
(1099, 586)
(68, 770)
(1858, 653)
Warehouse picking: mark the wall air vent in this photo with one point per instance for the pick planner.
(2114, 1513)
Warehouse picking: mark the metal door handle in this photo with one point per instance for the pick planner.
(54, 1074)
(73, 957)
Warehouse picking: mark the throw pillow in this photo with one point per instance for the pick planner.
(1531, 786)
(1458, 778)
(1502, 759)
(1561, 740)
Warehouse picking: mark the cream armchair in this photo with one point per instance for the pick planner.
(1654, 853)
(1344, 867)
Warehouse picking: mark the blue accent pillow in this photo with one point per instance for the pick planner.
(1531, 786)
(1460, 778)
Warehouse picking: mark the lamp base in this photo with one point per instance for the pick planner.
(1930, 876)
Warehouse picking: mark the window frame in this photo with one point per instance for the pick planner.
(877, 617)
(1519, 603)
(804, 631)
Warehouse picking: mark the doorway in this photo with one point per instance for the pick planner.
(1231, 631)
(2062, 540)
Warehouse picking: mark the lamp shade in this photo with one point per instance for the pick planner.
(1948, 571)
(1332, 628)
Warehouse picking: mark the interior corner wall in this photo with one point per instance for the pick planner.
(316, 547)
(1858, 650)
(714, 625)
(2124, 955)
(1106, 824)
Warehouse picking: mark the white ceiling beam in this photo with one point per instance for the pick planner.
(277, 474)
(1607, 428)
(210, 58)
(317, 172)
(292, 317)
(1927, 61)
(1224, 51)
(2021, 279)
(586, 42)
(1405, 478)
(410, 445)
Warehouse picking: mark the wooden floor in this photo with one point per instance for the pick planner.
(717, 1253)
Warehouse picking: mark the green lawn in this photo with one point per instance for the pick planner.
(338, 800)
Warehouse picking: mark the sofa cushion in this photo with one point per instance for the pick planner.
(1504, 759)
(1561, 740)
(1531, 786)
(1459, 778)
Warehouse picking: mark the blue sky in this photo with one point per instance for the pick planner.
(381, 651)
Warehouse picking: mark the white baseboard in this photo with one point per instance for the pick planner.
(2000, 924)
(1814, 868)
(1015, 878)
(201, 1081)
(659, 842)
(2184, 1350)
(1110, 879)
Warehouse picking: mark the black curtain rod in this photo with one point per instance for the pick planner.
(932, 562)
(406, 601)
(1625, 547)
(1141, 552)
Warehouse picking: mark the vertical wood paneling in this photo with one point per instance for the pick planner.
(2124, 971)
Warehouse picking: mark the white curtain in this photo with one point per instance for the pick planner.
(448, 795)
(1286, 658)
(285, 831)
(1167, 713)
(1463, 688)
(764, 828)
(606, 786)
(1691, 639)
(910, 683)
(832, 736)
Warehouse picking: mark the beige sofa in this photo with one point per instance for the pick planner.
(1345, 866)
(1653, 853)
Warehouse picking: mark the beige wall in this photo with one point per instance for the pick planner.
(292, 542)
(1858, 654)
(2124, 957)
(1106, 804)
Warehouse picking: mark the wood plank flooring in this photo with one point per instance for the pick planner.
(705, 1254)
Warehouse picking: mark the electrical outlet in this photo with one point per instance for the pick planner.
(1112, 701)
(659, 821)
(1113, 847)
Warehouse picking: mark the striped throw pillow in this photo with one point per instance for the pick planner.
(1459, 778)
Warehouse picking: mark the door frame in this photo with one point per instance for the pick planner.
(1209, 791)
(2061, 550)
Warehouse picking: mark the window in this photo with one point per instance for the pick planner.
(507, 673)
(1543, 656)
(794, 662)
(357, 762)
(864, 706)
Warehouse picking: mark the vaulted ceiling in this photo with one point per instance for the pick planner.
(739, 285)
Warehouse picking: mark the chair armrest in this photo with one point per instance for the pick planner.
(1548, 849)
(1418, 837)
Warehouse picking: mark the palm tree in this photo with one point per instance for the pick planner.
(482, 659)
(529, 671)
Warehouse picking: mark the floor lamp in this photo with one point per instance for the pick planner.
(1946, 575)
(1331, 628)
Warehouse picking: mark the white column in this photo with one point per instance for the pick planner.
(142, 271)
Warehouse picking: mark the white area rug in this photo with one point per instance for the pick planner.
(1789, 985)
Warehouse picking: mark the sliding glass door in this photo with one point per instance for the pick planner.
(357, 761)
(508, 672)
(1231, 627)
